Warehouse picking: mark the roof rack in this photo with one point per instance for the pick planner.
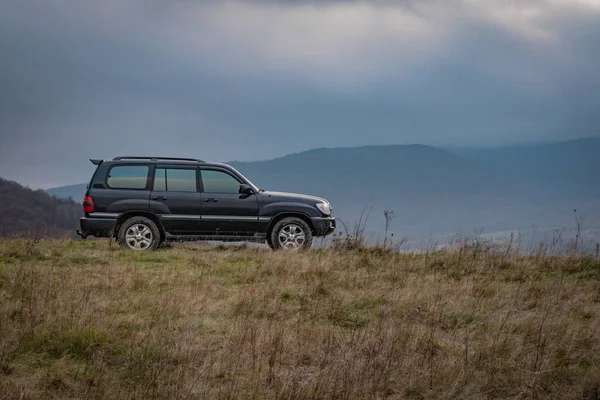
(158, 159)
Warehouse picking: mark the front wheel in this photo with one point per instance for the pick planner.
(139, 233)
(291, 234)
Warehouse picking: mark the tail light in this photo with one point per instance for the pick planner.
(88, 204)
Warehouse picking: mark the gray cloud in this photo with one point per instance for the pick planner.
(257, 79)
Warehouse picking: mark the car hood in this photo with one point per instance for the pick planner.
(283, 196)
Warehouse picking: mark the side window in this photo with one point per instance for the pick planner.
(160, 180)
(219, 182)
(128, 177)
(175, 180)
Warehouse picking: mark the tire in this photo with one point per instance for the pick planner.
(291, 233)
(269, 242)
(139, 233)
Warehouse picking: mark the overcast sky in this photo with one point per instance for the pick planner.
(246, 80)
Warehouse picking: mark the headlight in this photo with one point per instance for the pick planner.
(325, 208)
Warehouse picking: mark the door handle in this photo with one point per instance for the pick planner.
(211, 200)
(159, 198)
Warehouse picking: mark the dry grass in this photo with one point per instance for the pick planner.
(82, 320)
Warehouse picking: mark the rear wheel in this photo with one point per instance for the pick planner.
(291, 233)
(139, 233)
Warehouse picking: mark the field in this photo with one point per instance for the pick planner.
(85, 320)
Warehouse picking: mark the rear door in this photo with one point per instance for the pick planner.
(224, 210)
(120, 188)
(176, 198)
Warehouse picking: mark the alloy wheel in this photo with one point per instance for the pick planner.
(291, 237)
(138, 237)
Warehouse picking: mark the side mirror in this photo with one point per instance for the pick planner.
(245, 189)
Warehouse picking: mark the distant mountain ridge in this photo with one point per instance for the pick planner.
(398, 171)
(418, 167)
(74, 192)
(567, 168)
(437, 191)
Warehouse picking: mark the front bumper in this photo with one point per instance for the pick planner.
(323, 226)
(98, 227)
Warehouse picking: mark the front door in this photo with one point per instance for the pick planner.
(176, 198)
(224, 210)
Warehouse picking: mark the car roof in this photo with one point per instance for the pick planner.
(157, 160)
(194, 160)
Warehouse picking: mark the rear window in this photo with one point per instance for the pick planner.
(128, 177)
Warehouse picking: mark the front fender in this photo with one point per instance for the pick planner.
(276, 208)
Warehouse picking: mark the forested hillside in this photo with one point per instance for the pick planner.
(35, 213)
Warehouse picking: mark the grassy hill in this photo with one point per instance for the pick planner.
(85, 320)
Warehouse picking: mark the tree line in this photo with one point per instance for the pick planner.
(25, 212)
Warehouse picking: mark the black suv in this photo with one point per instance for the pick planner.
(143, 201)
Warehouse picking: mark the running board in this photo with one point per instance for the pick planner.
(258, 237)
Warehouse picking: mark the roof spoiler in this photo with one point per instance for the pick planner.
(96, 161)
